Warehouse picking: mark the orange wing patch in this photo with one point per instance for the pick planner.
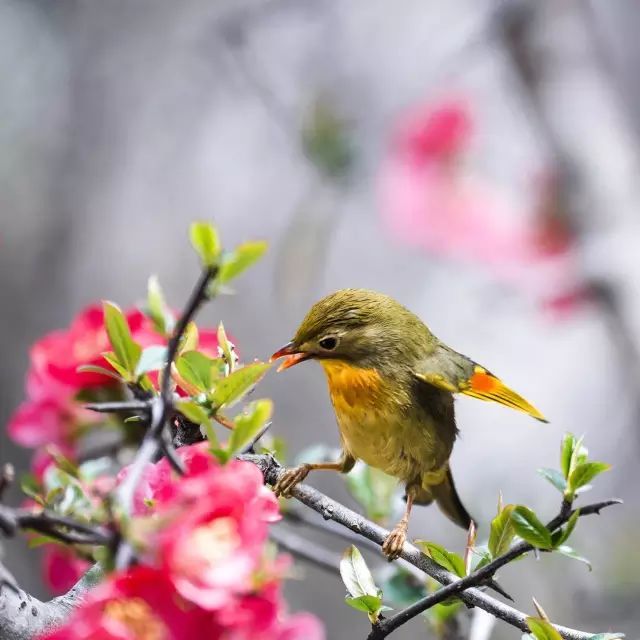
(485, 386)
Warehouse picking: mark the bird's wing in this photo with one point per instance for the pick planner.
(451, 371)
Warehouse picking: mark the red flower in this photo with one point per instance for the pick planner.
(59, 354)
(217, 519)
(142, 604)
(138, 605)
(61, 568)
(50, 414)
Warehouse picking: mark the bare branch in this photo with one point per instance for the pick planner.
(313, 553)
(124, 405)
(161, 408)
(22, 616)
(480, 577)
(332, 510)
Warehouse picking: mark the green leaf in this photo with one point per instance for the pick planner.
(144, 382)
(368, 604)
(64, 464)
(196, 369)
(543, 629)
(529, 528)
(579, 454)
(554, 477)
(157, 309)
(248, 424)
(205, 241)
(356, 575)
(92, 368)
(127, 351)
(41, 539)
(112, 359)
(227, 349)
(197, 414)
(565, 550)
(31, 487)
(151, 359)
(562, 535)
(237, 261)
(566, 452)
(584, 472)
(189, 339)
(502, 532)
(371, 605)
(236, 385)
(447, 559)
(484, 559)
(193, 412)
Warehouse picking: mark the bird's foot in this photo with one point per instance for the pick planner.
(290, 478)
(392, 546)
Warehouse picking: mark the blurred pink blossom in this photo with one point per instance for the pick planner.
(431, 202)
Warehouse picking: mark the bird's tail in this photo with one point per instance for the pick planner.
(448, 500)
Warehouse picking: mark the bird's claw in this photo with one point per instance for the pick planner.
(392, 546)
(289, 479)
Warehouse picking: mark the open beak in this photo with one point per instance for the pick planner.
(290, 355)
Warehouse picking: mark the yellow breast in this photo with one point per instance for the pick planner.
(352, 388)
(375, 425)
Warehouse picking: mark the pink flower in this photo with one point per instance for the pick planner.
(217, 524)
(135, 605)
(50, 414)
(142, 604)
(61, 568)
(301, 626)
(430, 202)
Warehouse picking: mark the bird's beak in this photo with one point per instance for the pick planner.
(291, 356)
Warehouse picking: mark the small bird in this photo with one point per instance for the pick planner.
(391, 382)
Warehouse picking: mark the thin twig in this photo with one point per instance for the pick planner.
(303, 548)
(161, 407)
(479, 577)
(54, 525)
(332, 510)
(124, 405)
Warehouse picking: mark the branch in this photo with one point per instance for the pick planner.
(22, 616)
(307, 550)
(332, 510)
(161, 408)
(125, 405)
(479, 577)
(55, 526)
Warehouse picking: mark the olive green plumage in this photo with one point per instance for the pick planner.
(392, 382)
(416, 427)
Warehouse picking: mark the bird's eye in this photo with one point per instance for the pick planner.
(329, 343)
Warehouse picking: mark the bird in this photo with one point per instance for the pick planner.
(392, 384)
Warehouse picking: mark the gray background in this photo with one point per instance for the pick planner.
(121, 122)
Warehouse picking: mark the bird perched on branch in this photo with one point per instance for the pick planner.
(391, 382)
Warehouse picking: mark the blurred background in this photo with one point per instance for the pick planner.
(477, 160)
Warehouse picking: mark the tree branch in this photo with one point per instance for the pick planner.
(22, 616)
(54, 525)
(479, 577)
(332, 510)
(161, 408)
(303, 548)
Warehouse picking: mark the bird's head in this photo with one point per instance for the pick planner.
(358, 326)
